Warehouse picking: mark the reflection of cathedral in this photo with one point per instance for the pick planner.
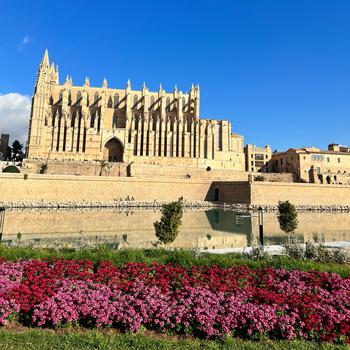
(89, 123)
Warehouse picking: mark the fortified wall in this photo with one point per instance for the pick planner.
(58, 188)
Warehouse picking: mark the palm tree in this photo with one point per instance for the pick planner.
(103, 165)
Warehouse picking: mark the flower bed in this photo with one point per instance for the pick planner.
(203, 301)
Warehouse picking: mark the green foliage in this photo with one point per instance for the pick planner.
(186, 258)
(17, 153)
(167, 229)
(11, 169)
(316, 252)
(287, 217)
(82, 339)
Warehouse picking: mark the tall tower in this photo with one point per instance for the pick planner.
(46, 78)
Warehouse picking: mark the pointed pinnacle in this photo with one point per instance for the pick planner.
(45, 61)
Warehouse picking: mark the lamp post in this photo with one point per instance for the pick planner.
(2, 219)
(261, 225)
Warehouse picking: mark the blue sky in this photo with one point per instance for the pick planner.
(279, 70)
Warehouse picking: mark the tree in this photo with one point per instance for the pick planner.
(287, 217)
(104, 165)
(167, 228)
(17, 153)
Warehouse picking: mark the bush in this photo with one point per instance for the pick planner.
(167, 228)
(287, 217)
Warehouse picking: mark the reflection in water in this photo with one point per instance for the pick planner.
(204, 229)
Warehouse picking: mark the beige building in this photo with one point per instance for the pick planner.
(258, 158)
(311, 164)
(84, 124)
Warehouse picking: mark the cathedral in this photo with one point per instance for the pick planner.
(93, 124)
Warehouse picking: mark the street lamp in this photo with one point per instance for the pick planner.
(261, 225)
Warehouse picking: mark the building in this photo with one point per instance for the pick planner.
(258, 159)
(311, 164)
(72, 123)
(5, 150)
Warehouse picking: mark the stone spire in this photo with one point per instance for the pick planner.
(57, 78)
(104, 84)
(45, 60)
(128, 85)
(87, 82)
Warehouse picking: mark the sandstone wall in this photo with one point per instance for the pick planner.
(268, 193)
(30, 187)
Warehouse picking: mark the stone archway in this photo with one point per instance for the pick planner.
(113, 151)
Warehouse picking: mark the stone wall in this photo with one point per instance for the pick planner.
(269, 193)
(30, 187)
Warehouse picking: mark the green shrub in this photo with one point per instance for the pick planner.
(287, 217)
(167, 228)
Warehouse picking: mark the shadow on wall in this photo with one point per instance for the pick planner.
(229, 192)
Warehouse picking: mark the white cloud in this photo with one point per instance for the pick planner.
(14, 116)
(25, 40)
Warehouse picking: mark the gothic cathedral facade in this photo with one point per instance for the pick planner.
(85, 123)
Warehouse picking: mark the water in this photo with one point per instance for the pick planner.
(203, 229)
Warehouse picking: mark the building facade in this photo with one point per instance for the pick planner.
(258, 159)
(85, 123)
(311, 164)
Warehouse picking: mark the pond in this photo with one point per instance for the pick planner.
(201, 229)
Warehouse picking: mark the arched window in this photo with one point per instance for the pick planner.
(167, 104)
(69, 98)
(96, 97)
(60, 97)
(110, 102)
(136, 121)
(92, 120)
(116, 100)
(183, 104)
(135, 101)
(78, 101)
(152, 103)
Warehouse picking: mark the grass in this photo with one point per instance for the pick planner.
(92, 339)
(180, 257)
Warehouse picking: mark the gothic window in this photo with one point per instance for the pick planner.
(51, 100)
(152, 103)
(154, 118)
(183, 104)
(92, 120)
(136, 121)
(60, 97)
(78, 102)
(167, 104)
(96, 97)
(116, 100)
(135, 101)
(110, 102)
(219, 136)
(69, 98)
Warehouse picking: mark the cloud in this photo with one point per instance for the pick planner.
(25, 40)
(14, 116)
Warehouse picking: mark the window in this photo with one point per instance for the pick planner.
(167, 104)
(328, 160)
(338, 160)
(78, 102)
(317, 157)
(152, 103)
(266, 156)
(251, 156)
(281, 161)
(252, 162)
(116, 100)
(110, 102)
(95, 97)
(183, 104)
(135, 101)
